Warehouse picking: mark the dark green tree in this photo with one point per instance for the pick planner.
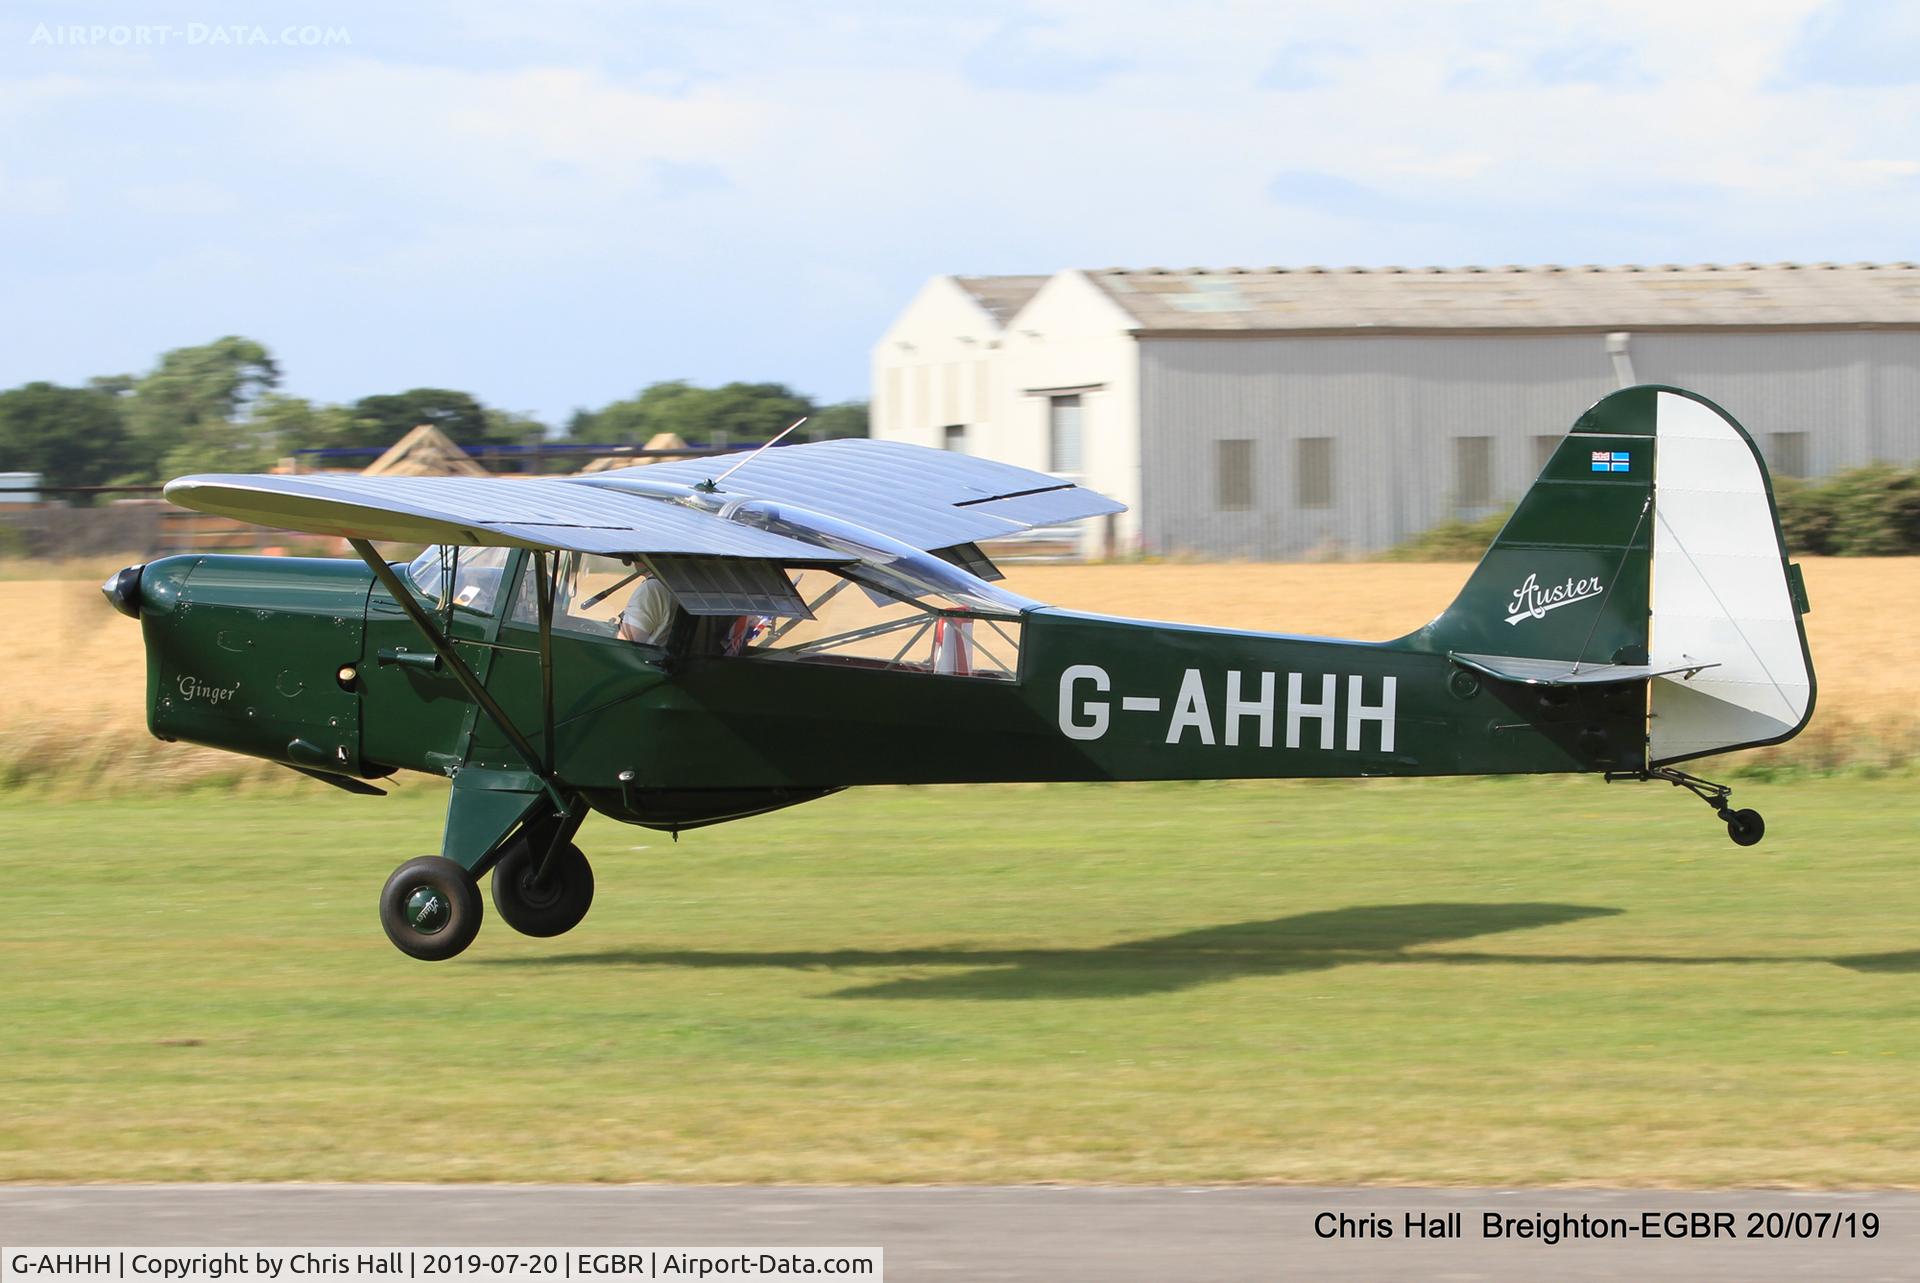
(739, 413)
(71, 436)
(383, 420)
(295, 423)
(847, 419)
(191, 407)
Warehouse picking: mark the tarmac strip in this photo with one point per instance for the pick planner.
(1059, 1234)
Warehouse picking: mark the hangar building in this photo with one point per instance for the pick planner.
(1298, 412)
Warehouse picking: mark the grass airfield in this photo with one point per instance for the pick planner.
(1433, 982)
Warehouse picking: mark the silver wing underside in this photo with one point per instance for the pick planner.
(557, 515)
(924, 497)
(930, 499)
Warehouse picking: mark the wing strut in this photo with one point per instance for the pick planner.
(540, 766)
(546, 582)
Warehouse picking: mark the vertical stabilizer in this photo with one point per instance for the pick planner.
(1567, 577)
(1651, 539)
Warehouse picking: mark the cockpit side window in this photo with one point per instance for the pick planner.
(468, 578)
(591, 594)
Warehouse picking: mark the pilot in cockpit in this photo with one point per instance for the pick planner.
(648, 616)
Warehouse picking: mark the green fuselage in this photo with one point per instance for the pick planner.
(313, 664)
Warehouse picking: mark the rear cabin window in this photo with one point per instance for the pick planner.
(857, 626)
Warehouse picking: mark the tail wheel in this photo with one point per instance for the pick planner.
(1746, 827)
(431, 908)
(538, 902)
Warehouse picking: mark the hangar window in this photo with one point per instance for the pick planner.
(954, 437)
(892, 411)
(1233, 475)
(1063, 434)
(1313, 472)
(1473, 472)
(1544, 449)
(1787, 454)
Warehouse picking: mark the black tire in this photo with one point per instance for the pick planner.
(557, 905)
(431, 908)
(1746, 827)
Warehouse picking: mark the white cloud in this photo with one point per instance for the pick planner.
(504, 129)
(767, 162)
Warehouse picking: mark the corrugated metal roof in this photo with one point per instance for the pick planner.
(1002, 296)
(1336, 300)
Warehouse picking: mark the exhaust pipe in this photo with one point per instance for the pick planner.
(122, 590)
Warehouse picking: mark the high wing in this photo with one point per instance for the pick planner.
(553, 514)
(932, 499)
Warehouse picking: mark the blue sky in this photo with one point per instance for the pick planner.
(554, 204)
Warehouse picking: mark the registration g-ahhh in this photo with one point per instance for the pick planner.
(697, 641)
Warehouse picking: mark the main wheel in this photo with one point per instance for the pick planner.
(1746, 827)
(553, 905)
(431, 908)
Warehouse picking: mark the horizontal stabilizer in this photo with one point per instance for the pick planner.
(1564, 672)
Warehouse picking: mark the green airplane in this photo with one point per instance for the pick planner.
(693, 642)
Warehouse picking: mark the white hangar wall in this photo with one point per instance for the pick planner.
(1352, 444)
(1854, 393)
(948, 374)
(933, 366)
(1390, 409)
(1068, 352)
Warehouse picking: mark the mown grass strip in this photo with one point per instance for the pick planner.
(1494, 982)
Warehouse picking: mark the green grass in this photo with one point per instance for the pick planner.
(1448, 982)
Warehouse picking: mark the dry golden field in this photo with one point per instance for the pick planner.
(72, 685)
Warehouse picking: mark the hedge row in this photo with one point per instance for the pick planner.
(1868, 512)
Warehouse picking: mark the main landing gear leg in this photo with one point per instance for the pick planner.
(1744, 827)
(542, 884)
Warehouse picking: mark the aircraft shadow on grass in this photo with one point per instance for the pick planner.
(1375, 934)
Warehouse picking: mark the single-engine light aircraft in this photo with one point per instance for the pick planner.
(697, 641)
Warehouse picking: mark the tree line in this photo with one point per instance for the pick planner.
(217, 407)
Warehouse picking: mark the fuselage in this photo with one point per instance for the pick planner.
(311, 663)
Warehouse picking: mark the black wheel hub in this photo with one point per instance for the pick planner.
(537, 892)
(428, 911)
